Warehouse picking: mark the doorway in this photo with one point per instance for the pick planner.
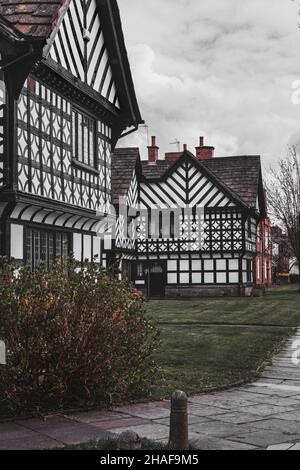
(157, 284)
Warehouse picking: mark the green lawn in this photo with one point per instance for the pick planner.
(212, 343)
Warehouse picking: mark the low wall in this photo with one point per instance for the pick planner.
(208, 291)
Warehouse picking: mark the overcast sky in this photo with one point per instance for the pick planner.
(219, 68)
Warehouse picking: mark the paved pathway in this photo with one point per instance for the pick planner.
(263, 415)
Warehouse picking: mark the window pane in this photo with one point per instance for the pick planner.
(29, 247)
(172, 278)
(37, 248)
(85, 126)
(65, 246)
(58, 252)
(91, 144)
(196, 278)
(74, 134)
(172, 265)
(196, 265)
(83, 138)
(44, 248)
(140, 270)
(184, 278)
(51, 248)
(79, 139)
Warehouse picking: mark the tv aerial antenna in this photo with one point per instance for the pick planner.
(177, 142)
(145, 126)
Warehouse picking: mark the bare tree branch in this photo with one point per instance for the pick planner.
(283, 195)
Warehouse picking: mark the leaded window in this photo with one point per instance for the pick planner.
(84, 138)
(249, 271)
(43, 247)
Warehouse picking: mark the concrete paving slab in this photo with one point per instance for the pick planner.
(295, 447)
(150, 431)
(38, 442)
(146, 411)
(120, 423)
(218, 429)
(193, 419)
(238, 418)
(290, 416)
(285, 446)
(261, 415)
(64, 430)
(274, 424)
(264, 439)
(201, 410)
(96, 416)
(213, 443)
(267, 410)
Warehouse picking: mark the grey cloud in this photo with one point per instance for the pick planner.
(221, 68)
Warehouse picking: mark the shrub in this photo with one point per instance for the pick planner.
(73, 337)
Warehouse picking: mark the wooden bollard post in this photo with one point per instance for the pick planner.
(179, 435)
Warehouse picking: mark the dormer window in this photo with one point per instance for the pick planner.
(84, 139)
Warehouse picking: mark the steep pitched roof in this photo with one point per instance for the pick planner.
(240, 174)
(124, 162)
(152, 172)
(33, 18)
(39, 20)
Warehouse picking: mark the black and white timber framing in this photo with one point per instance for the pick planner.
(66, 97)
(218, 204)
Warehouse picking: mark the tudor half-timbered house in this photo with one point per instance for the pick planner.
(66, 97)
(194, 221)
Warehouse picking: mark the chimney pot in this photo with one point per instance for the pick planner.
(185, 147)
(153, 151)
(204, 152)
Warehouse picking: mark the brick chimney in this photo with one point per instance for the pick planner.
(173, 156)
(153, 151)
(204, 152)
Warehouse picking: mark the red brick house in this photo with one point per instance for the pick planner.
(263, 260)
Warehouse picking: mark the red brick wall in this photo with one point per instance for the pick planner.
(263, 260)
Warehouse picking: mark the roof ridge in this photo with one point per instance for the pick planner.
(31, 18)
